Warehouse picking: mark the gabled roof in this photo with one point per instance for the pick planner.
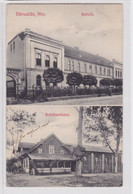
(42, 141)
(97, 149)
(88, 148)
(75, 53)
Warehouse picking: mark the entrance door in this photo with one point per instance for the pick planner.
(73, 166)
(11, 87)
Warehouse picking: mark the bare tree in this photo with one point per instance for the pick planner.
(20, 124)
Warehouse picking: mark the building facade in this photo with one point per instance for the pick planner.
(53, 156)
(30, 53)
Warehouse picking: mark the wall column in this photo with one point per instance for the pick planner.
(112, 163)
(103, 158)
(92, 162)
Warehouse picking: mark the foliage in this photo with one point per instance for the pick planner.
(117, 82)
(106, 82)
(74, 79)
(89, 80)
(53, 75)
(104, 125)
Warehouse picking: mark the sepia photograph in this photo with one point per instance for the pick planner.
(64, 54)
(71, 146)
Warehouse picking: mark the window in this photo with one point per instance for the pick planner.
(96, 161)
(104, 71)
(38, 59)
(106, 161)
(67, 164)
(47, 61)
(69, 65)
(78, 67)
(90, 69)
(85, 68)
(108, 72)
(38, 80)
(95, 70)
(116, 73)
(51, 149)
(39, 164)
(61, 152)
(39, 150)
(72, 66)
(10, 47)
(55, 63)
(100, 71)
(61, 164)
(13, 45)
(85, 161)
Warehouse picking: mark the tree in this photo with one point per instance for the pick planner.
(106, 82)
(74, 79)
(19, 124)
(53, 75)
(104, 125)
(117, 82)
(89, 80)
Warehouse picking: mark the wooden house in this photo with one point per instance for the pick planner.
(51, 155)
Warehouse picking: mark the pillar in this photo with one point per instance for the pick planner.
(92, 162)
(112, 163)
(103, 166)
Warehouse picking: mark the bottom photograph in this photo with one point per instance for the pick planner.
(64, 146)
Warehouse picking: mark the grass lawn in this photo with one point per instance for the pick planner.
(95, 180)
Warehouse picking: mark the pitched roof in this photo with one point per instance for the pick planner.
(75, 53)
(42, 141)
(97, 149)
(26, 145)
(89, 148)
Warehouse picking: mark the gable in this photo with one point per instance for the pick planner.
(52, 141)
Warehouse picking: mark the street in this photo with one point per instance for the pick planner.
(104, 100)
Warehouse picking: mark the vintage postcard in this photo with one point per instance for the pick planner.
(64, 96)
(69, 54)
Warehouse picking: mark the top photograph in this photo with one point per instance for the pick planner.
(64, 54)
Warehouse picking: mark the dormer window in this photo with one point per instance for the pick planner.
(39, 150)
(51, 149)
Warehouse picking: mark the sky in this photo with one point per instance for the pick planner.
(100, 34)
(64, 127)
